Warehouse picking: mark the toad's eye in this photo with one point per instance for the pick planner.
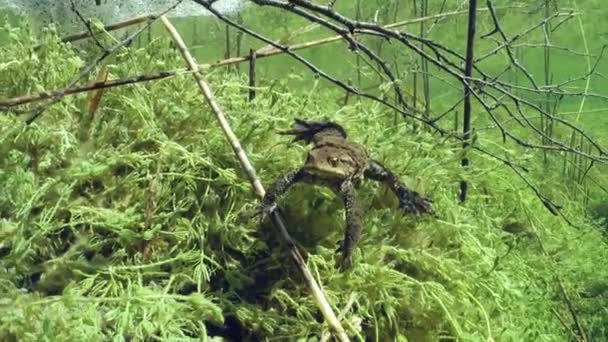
(333, 161)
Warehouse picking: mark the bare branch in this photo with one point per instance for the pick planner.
(86, 24)
(468, 89)
(317, 293)
(87, 69)
(442, 60)
(20, 100)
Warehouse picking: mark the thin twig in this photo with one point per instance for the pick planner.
(20, 100)
(317, 293)
(443, 63)
(351, 301)
(356, 46)
(141, 19)
(111, 27)
(590, 69)
(5, 104)
(577, 322)
(86, 24)
(563, 322)
(87, 69)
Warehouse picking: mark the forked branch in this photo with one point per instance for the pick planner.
(489, 91)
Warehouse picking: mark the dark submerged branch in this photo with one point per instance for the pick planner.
(468, 71)
(87, 24)
(441, 56)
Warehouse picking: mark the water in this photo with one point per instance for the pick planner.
(44, 12)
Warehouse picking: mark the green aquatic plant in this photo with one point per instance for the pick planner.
(144, 228)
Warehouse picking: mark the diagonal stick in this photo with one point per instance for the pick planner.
(317, 293)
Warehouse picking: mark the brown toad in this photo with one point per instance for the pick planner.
(341, 165)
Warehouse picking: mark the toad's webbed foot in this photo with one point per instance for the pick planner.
(354, 217)
(409, 200)
(413, 203)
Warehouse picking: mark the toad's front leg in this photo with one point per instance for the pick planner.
(353, 223)
(409, 200)
(279, 187)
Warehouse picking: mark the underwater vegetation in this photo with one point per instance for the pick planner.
(135, 222)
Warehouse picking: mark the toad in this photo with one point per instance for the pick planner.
(341, 165)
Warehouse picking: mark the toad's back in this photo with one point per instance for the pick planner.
(333, 157)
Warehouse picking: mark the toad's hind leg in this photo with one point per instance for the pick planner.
(353, 223)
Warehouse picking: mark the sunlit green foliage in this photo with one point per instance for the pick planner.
(143, 226)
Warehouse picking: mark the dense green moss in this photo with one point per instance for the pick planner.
(143, 227)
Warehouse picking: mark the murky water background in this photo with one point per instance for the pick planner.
(44, 12)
